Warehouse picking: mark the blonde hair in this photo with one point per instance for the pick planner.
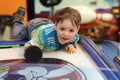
(68, 13)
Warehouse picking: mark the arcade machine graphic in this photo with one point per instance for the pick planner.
(49, 69)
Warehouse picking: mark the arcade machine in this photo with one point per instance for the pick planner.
(88, 63)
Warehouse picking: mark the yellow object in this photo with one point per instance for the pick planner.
(27, 44)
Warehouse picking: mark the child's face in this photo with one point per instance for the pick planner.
(66, 31)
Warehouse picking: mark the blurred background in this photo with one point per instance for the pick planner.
(100, 18)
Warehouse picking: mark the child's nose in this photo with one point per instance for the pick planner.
(65, 33)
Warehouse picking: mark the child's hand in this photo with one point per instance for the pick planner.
(70, 48)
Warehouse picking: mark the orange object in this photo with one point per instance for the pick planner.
(8, 7)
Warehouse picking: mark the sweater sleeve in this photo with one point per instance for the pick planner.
(34, 42)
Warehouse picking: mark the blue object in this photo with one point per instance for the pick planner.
(13, 43)
(110, 49)
(97, 56)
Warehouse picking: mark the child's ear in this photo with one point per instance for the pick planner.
(78, 28)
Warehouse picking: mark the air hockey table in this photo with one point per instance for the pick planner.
(88, 63)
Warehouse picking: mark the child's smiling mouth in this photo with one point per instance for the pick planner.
(65, 38)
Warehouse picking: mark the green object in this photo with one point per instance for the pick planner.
(9, 45)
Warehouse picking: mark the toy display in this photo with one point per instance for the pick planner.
(104, 28)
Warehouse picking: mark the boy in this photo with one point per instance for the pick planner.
(45, 34)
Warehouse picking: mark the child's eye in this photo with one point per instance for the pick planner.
(71, 30)
(62, 29)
